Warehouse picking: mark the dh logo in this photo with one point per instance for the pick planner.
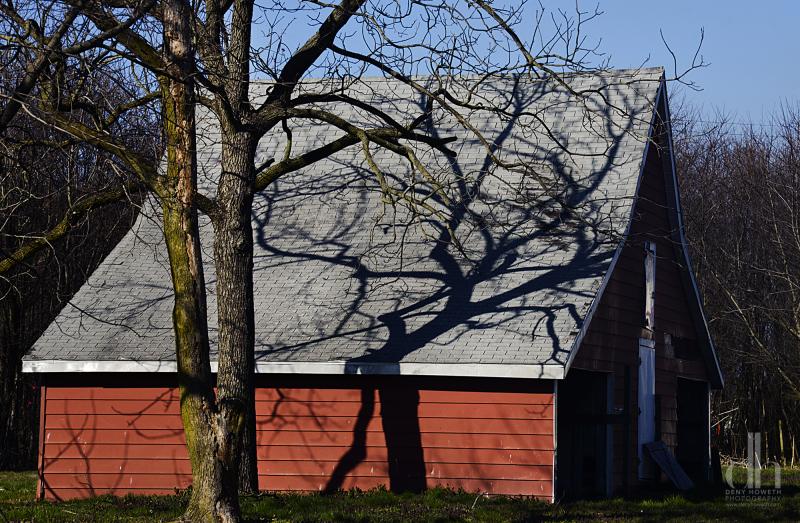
(753, 491)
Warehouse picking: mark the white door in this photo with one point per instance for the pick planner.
(647, 404)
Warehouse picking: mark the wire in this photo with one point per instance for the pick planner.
(746, 124)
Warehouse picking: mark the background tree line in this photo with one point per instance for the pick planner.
(43, 172)
(740, 186)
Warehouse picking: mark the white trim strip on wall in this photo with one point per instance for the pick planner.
(483, 370)
(720, 380)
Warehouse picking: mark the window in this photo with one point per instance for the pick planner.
(685, 348)
(649, 285)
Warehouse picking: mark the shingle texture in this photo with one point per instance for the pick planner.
(339, 275)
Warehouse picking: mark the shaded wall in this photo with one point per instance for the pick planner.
(611, 344)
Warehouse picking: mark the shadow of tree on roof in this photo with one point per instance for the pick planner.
(522, 268)
(516, 269)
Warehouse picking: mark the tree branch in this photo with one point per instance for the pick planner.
(305, 57)
(35, 69)
(145, 170)
(137, 45)
(73, 215)
(275, 171)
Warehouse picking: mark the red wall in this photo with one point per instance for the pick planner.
(314, 434)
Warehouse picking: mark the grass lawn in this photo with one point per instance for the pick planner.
(17, 504)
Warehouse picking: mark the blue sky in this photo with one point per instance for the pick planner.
(753, 47)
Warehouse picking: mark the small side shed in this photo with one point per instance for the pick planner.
(539, 366)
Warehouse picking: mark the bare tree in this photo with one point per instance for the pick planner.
(45, 176)
(442, 54)
(741, 191)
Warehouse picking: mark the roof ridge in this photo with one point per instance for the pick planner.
(377, 78)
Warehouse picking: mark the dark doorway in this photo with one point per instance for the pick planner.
(692, 449)
(583, 452)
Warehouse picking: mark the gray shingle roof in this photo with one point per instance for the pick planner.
(338, 278)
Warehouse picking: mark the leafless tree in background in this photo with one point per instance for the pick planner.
(48, 180)
(741, 193)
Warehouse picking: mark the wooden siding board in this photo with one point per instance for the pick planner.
(42, 422)
(114, 407)
(115, 453)
(118, 465)
(435, 440)
(311, 425)
(99, 483)
(434, 455)
(490, 438)
(347, 410)
(54, 451)
(308, 424)
(326, 395)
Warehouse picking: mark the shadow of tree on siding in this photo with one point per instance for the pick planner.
(455, 289)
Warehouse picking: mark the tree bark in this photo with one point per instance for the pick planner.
(214, 497)
(233, 253)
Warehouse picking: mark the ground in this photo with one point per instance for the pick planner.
(17, 503)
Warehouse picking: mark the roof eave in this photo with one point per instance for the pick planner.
(478, 370)
(709, 353)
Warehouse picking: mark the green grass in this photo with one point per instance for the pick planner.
(17, 503)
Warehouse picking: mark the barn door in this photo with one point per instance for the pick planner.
(583, 444)
(647, 405)
(693, 432)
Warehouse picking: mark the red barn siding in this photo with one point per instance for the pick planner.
(100, 440)
(345, 432)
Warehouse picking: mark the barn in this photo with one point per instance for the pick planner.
(537, 359)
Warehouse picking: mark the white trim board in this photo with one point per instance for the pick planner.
(717, 378)
(482, 370)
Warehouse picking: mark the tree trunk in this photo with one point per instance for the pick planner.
(233, 253)
(9, 367)
(233, 250)
(214, 496)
